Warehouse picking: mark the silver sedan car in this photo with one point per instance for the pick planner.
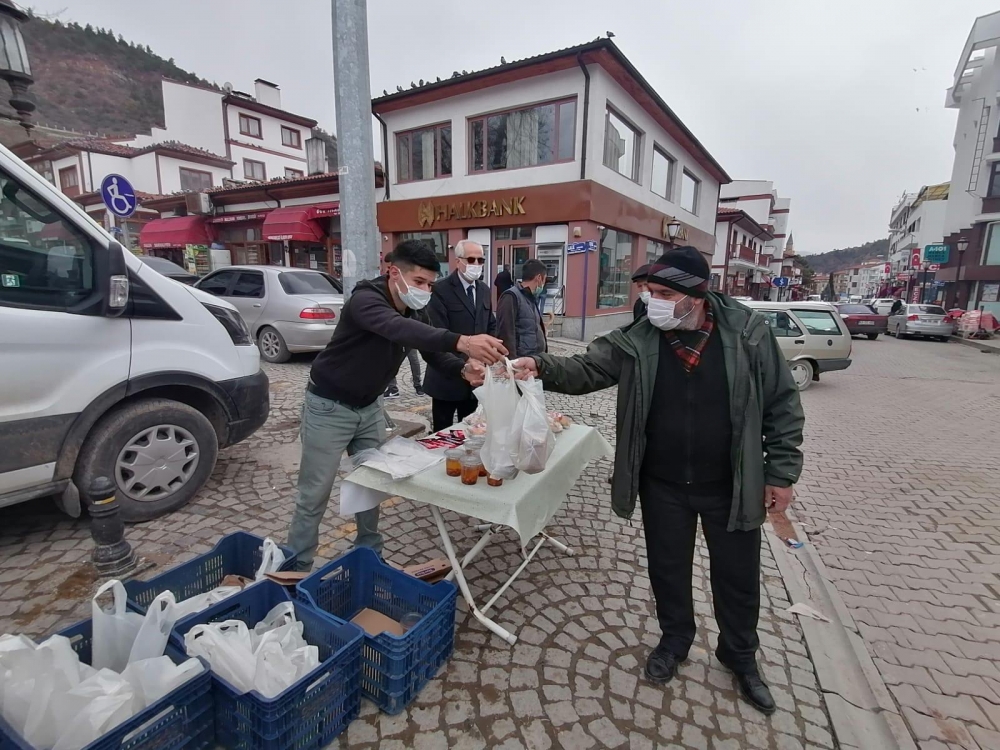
(921, 320)
(288, 310)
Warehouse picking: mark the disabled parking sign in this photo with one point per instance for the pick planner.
(118, 195)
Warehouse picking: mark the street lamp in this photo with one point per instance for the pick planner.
(673, 229)
(962, 245)
(14, 66)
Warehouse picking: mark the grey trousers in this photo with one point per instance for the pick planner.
(414, 358)
(328, 429)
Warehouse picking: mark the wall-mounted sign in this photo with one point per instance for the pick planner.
(581, 247)
(991, 292)
(429, 212)
(936, 253)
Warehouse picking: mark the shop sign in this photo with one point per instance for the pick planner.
(991, 293)
(429, 212)
(232, 218)
(936, 253)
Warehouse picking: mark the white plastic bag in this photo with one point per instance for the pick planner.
(151, 640)
(152, 679)
(274, 670)
(114, 631)
(535, 441)
(201, 602)
(498, 396)
(226, 647)
(90, 710)
(272, 559)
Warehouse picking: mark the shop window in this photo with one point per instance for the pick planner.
(291, 137)
(615, 274)
(654, 250)
(543, 134)
(690, 192)
(69, 181)
(254, 170)
(250, 126)
(664, 167)
(424, 154)
(195, 179)
(438, 241)
(991, 253)
(621, 145)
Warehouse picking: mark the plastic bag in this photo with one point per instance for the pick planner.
(272, 559)
(498, 396)
(535, 441)
(90, 710)
(201, 602)
(226, 647)
(114, 631)
(274, 670)
(152, 679)
(151, 640)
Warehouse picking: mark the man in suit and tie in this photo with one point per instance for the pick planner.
(460, 302)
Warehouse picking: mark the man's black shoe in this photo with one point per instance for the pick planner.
(661, 666)
(754, 689)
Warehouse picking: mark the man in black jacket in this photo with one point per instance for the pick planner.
(639, 279)
(460, 302)
(342, 410)
(503, 281)
(519, 322)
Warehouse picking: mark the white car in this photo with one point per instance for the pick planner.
(109, 369)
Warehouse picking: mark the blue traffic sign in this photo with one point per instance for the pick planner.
(118, 195)
(779, 281)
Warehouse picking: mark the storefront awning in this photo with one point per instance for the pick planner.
(176, 231)
(294, 223)
(55, 231)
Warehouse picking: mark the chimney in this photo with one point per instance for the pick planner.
(267, 93)
(316, 156)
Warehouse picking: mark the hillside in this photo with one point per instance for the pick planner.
(90, 80)
(835, 260)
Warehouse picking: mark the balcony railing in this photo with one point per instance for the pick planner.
(743, 252)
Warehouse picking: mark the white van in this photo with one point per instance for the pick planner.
(108, 368)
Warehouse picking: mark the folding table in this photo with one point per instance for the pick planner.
(526, 504)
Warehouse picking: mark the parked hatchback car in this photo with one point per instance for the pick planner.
(812, 336)
(930, 321)
(861, 320)
(288, 310)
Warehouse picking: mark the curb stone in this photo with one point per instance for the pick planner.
(863, 714)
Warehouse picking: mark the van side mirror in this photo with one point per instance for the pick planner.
(112, 280)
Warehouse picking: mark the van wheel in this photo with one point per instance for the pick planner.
(272, 346)
(158, 452)
(802, 373)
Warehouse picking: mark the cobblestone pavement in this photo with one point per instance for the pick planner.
(901, 494)
(585, 622)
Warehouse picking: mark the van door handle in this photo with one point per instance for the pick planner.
(256, 304)
(800, 341)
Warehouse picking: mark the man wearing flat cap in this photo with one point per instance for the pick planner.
(709, 426)
(639, 279)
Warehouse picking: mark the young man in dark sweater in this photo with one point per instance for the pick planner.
(342, 410)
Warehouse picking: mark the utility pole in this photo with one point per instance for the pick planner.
(355, 155)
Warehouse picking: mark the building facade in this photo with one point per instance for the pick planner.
(741, 265)
(972, 278)
(569, 157)
(917, 220)
(760, 200)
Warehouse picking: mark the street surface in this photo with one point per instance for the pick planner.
(900, 493)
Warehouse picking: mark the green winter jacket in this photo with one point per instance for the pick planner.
(766, 414)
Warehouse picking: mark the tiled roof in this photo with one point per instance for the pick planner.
(183, 148)
(104, 146)
(728, 210)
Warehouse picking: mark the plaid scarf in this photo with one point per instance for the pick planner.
(691, 355)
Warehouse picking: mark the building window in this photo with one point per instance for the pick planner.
(993, 190)
(254, 170)
(424, 154)
(69, 181)
(543, 134)
(664, 169)
(438, 241)
(690, 192)
(615, 274)
(293, 174)
(195, 179)
(991, 253)
(291, 137)
(621, 146)
(250, 126)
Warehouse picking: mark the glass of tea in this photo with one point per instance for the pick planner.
(453, 462)
(494, 481)
(470, 469)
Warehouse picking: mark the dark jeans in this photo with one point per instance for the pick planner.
(414, 358)
(443, 412)
(670, 520)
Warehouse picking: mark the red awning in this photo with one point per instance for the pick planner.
(293, 223)
(177, 231)
(55, 231)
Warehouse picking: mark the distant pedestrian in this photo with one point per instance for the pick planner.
(519, 324)
(639, 279)
(392, 391)
(503, 281)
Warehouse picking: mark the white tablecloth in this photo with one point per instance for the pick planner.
(525, 503)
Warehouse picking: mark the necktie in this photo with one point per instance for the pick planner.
(472, 294)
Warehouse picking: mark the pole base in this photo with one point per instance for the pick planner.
(117, 568)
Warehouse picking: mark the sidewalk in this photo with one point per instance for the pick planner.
(574, 680)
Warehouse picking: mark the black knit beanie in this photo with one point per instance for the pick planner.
(683, 269)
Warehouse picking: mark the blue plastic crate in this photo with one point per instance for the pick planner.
(393, 668)
(235, 554)
(310, 713)
(182, 720)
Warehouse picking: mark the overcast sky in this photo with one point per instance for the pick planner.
(841, 103)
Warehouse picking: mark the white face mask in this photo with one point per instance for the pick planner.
(645, 296)
(415, 299)
(472, 272)
(661, 314)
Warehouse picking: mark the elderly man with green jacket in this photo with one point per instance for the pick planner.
(709, 425)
